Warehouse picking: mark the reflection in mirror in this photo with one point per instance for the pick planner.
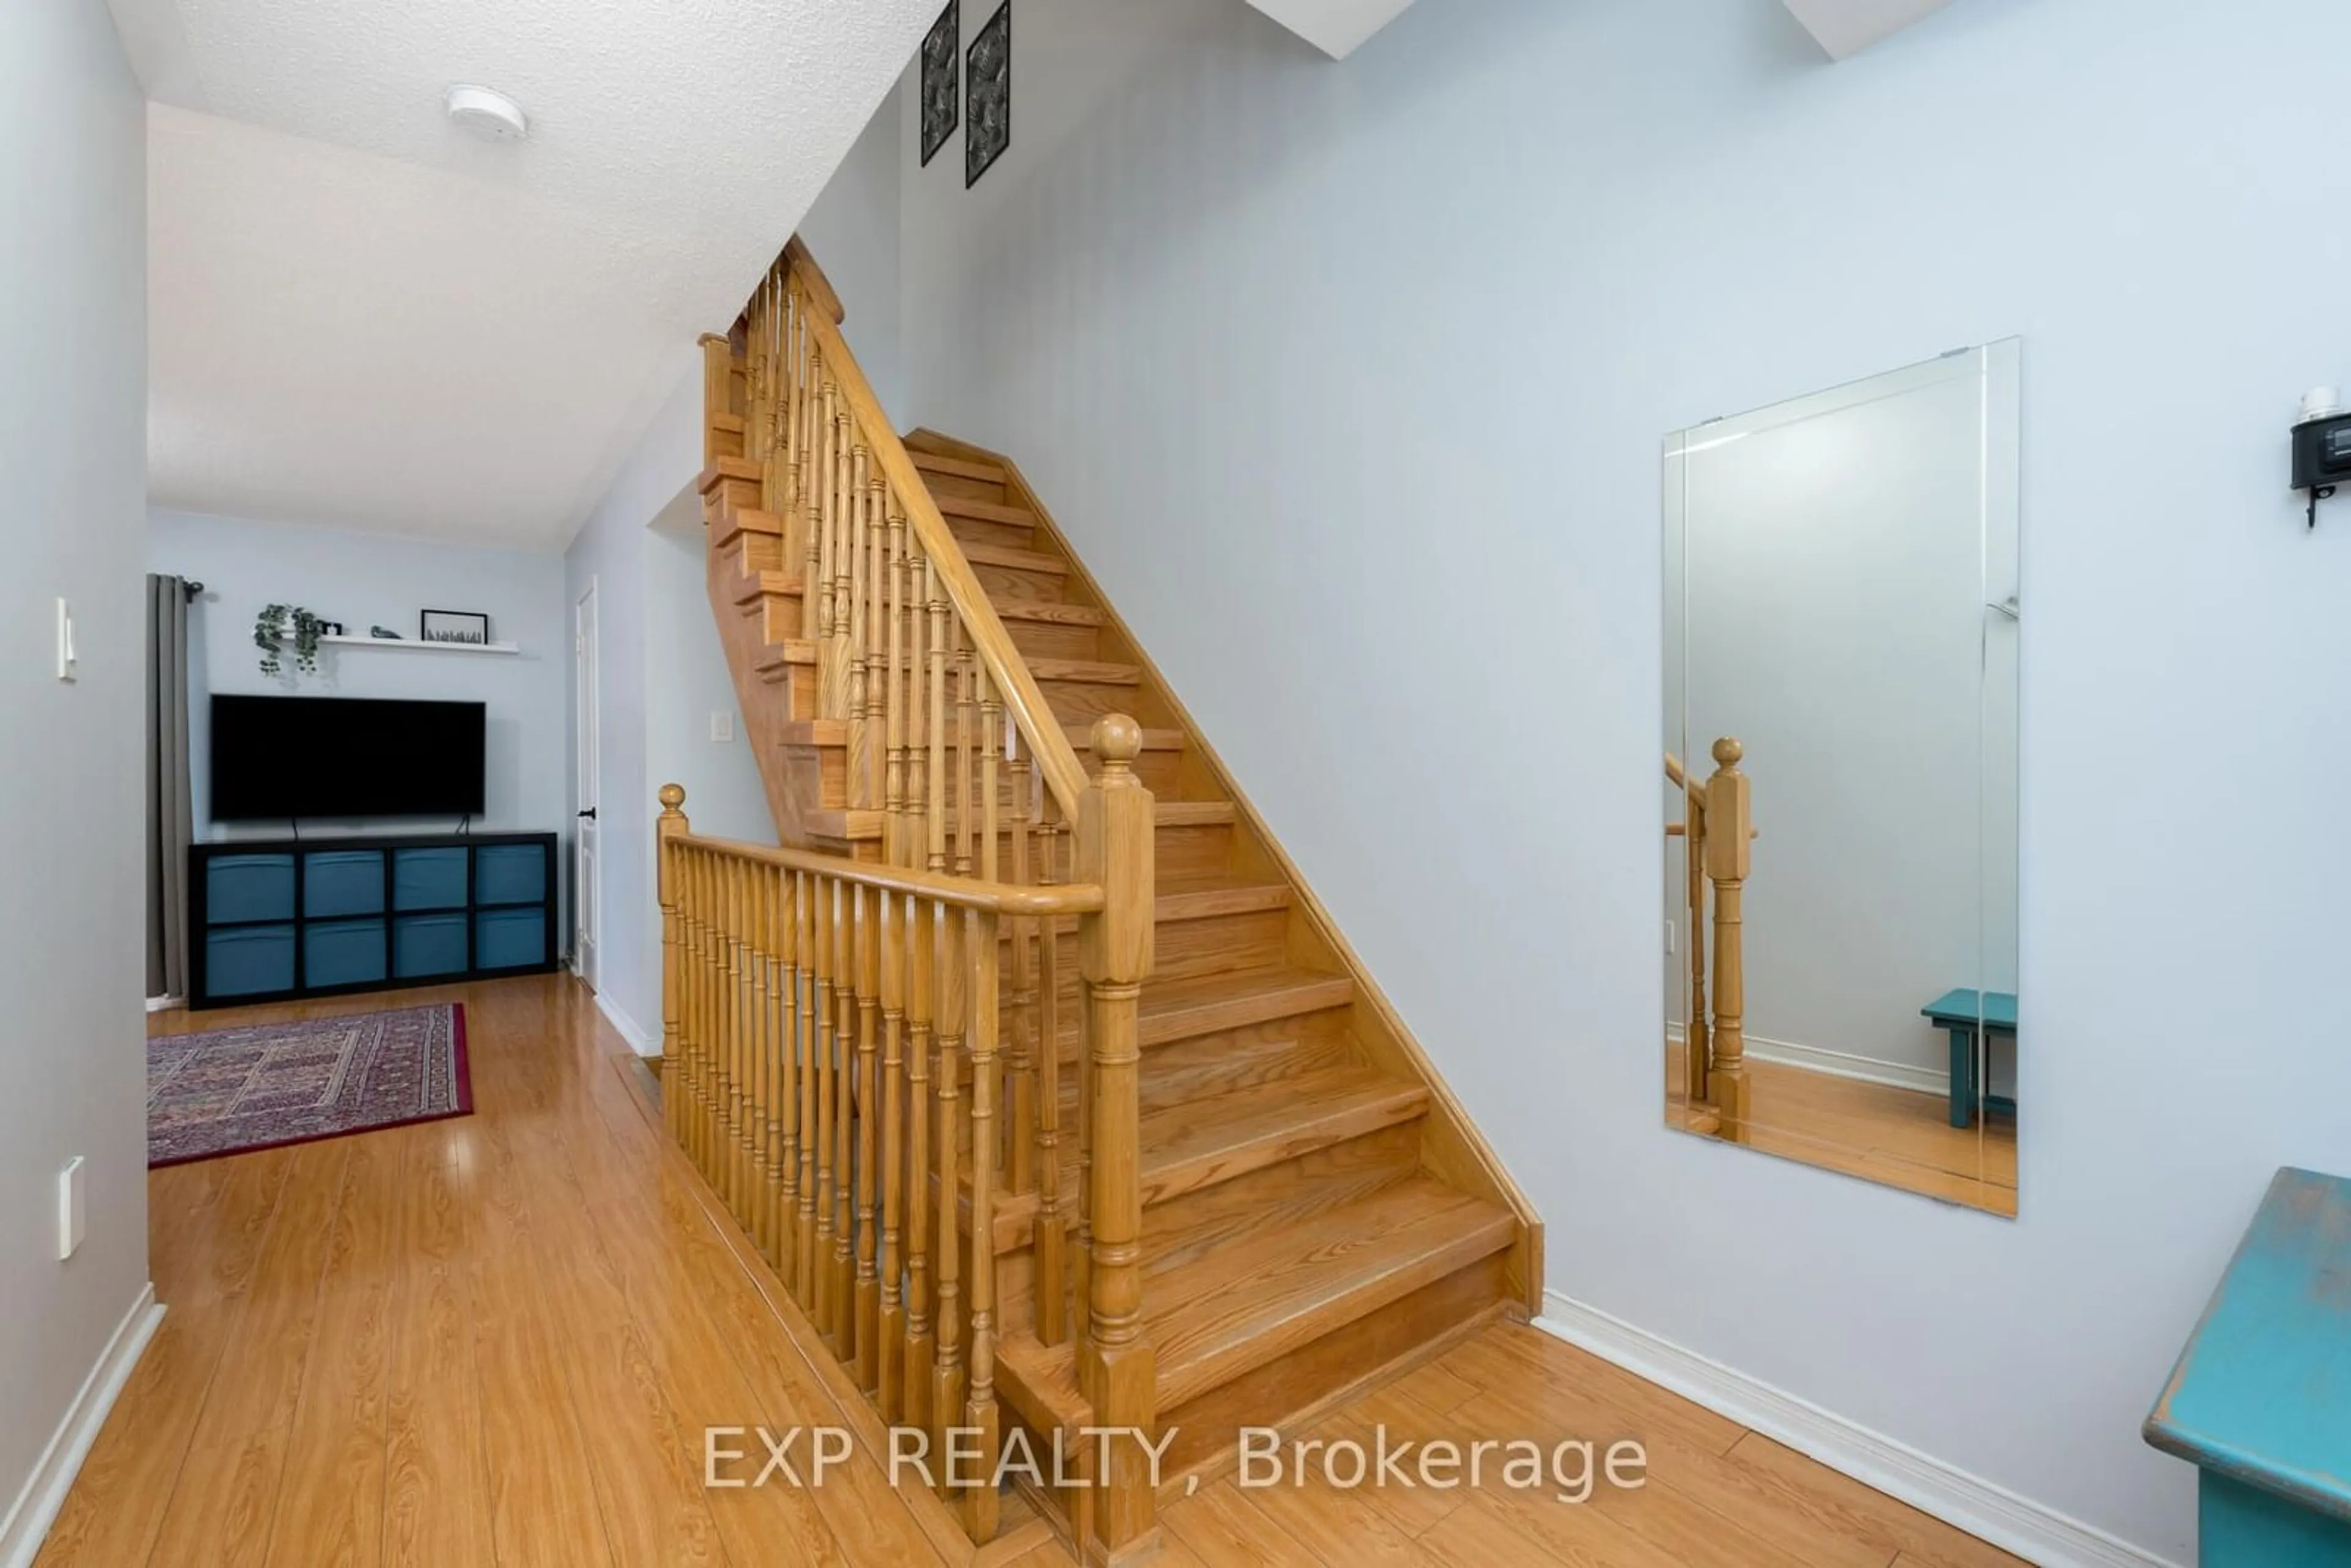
(1841, 622)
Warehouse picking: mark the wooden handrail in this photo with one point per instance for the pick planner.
(796, 252)
(1057, 760)
(961, 893)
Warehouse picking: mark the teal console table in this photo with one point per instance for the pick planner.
(1973, 1019)
(2259, 1401)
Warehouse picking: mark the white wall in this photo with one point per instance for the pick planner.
(365, 580)
(1348, 382)
(73, 418)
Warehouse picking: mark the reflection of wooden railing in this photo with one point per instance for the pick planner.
(1717, 827)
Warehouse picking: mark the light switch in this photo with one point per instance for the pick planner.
(722, 726)
(71, 1219)
(65, 641)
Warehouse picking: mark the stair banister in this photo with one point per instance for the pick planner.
(1055, 758)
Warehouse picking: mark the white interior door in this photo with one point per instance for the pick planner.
(587, 885)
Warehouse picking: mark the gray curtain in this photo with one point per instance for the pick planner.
(170, 827)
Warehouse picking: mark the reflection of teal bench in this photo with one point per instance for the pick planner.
(2257, 1400)
(1960, 1012)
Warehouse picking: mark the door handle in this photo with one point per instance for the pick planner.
(589, 813)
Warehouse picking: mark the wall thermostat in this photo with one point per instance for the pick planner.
(2322, 447)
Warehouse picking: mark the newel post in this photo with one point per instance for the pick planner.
(668, 828)
(1728, 822)
(1116, 1368)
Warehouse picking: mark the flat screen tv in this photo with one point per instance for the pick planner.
(344, 757)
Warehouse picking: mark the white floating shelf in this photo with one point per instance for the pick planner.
(418, 645)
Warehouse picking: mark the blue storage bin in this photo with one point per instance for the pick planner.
(342, 953)
(428, 879)
(510, 938)
(428, 945)
(251, 960)
(248, 887)
(510, 873)
(342, 882)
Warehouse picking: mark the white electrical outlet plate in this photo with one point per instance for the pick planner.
(722, 727)
(65, 657)
(72, 1219)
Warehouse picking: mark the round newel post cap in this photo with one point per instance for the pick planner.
(672, 797)
(1728, 751)
(1118, 739)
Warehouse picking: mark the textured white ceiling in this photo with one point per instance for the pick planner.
(360, 315)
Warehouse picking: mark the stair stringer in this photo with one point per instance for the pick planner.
(1452, 1148)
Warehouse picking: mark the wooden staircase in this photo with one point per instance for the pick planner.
(1316, 1211)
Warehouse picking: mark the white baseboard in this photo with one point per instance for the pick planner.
(1983, 1509)
(165, 1004)
(641, 1042)
(1839, 1064)
(35, 1507)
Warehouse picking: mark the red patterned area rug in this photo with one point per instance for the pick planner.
(232, 1091)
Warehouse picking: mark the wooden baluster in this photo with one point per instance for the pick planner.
(846, 1053)
(668, 828)
(946, 1376)
(890, 1327)
(935, 827)
(833, 672)
(698, 1077)
(980, 935)
(757, 944)
(1052, 1283)
(915, 843)
(805, 402)
(1728, 822)
(863, 530)
(965, 706)
(751, 1135)
(1115, 1363)
(812, 1033)
(714, 1118)
(894, 714)
(1696, 1041)
(730, 1024)
(825, 1315)
(867, 1294)
(778, 451)
(818, 585)
(1081, 1259)
(1020, 1127)
(787, 1055)
(921, 989)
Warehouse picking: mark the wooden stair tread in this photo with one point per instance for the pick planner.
(984, 511)
(1199, 1142)
(961, 467)
(757, 585)
(1016, 559)
(1195, 813)
(1091, 672)
(775, 656)
(1052, 614)
(1166, 813)
(1081, 737)
(1247, 1304)
(1202, 896)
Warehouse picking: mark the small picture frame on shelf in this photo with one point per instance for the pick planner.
(463, 626)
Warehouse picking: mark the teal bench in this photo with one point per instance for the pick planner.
(2257, 1402)
(1959, 1012)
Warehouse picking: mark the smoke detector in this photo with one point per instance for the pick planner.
(492, 116)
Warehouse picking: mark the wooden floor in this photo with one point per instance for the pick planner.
(1898, 1136)
(496, 1340)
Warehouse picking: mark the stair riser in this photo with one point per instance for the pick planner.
(1044, 639)
(1081, 702)
(980, 531)
(1261, 1057)
(990, 490)
(1293, 1389)
(1010, 582)
(1206, 946)
(754, 552)
(777, 617)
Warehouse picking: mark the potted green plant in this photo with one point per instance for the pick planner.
(273, 625)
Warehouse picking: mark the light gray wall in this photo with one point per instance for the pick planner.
(688, 684)
(364, 580)
(610, 551)
(1348, 382)
(73, 480)
(852, 232)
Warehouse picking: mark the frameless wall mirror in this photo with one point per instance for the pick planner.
(1842, 627)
